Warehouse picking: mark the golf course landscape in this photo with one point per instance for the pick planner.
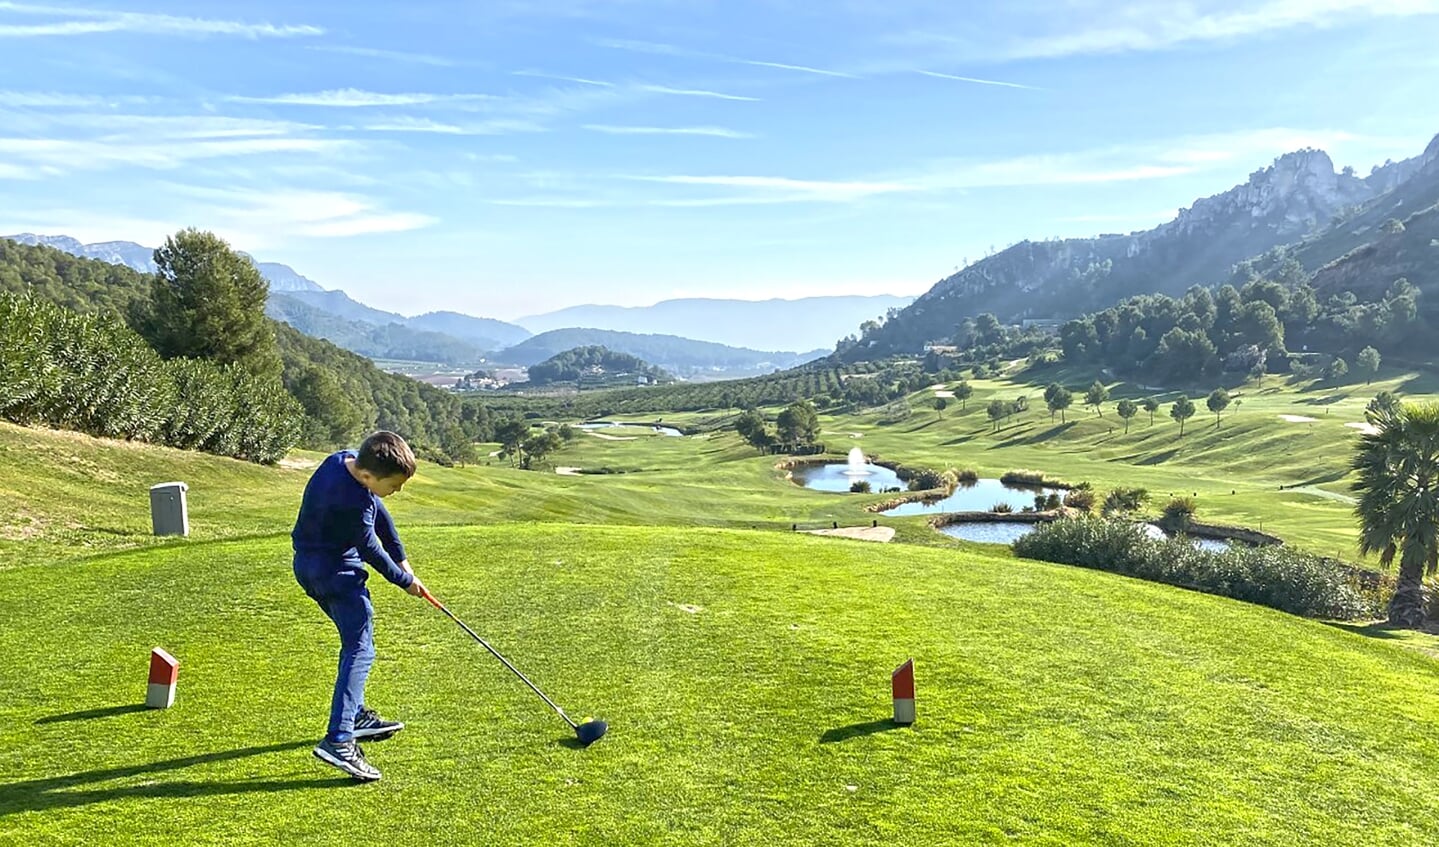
(743, 667)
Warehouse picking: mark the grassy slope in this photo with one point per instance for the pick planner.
(1251, 454)
(1058, 706)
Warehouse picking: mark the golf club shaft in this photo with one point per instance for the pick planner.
(485, 644)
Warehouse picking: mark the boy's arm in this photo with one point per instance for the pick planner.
(367, 543)
(385, 531)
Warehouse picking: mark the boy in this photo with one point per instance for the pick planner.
(342, 523)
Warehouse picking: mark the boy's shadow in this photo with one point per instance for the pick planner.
(53, 792)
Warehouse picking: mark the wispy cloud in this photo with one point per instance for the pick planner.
(660, 49)
(695, 92)
(75, 20)
(56, 156)
(349, 98)
(391, 55)
(271, 215)
(976, 80)
(714, 131)
(575, 79)
(801, 68)
(810, 189)
(58, 100)
(491, 127)
(1152, 25)
(1124, 163)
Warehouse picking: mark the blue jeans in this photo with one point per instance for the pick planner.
(343, 597)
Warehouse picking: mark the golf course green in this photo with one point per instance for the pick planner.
(743, 668)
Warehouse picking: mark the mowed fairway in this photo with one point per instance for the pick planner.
(745, 677)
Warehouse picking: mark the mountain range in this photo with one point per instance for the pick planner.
(453, 338)
(684, 357)
(800, 324)
(1298, 202)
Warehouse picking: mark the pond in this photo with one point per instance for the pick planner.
(988, 532)
(1007, 532)
(978, 496)
(662, 430)
(838, 476)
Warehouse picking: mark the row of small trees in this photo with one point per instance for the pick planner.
(95, 375)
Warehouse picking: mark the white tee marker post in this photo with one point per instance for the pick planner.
(901, 682)
(164, 669)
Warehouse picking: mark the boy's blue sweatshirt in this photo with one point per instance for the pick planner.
(341, 524)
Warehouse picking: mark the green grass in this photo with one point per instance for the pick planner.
(1056, 705)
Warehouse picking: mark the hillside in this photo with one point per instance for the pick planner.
(1297, 197)
(141, 258)
(485, 333)
(682, 356)
(388, 341)
(803, 324)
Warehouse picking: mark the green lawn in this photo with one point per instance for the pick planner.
(744, 668)
(1056, 705)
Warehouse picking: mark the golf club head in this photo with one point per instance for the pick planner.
(591, 731)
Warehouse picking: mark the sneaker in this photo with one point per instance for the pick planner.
(371, 726)
(347, 756)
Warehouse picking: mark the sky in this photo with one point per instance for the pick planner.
(512, 157)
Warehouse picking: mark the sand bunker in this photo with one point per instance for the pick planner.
(949, 394)
(1366, 427)
(863, 533)
(564, 470)
(608, 437)
(1297, 419)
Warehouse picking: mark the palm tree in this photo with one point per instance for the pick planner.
(1398, 508)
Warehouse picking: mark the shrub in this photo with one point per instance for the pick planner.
(1001, 508)
(1053, 501)
(1081, 499)
(1036, 478)
(968, 475)
(1178, 514)
(925, 479)
(1122, 500)
(1276, 577)
(860, 486)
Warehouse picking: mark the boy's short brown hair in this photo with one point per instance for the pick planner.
(386, 454)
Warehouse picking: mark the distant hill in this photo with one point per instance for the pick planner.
(141, 258)
(1295, 200)
(594, 367)
(390, 341)
(682, 356)
(802, 324)
(486, 333)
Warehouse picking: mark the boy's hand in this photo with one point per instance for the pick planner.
(416, 589)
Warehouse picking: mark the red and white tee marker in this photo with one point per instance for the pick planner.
(164, 669)
(901, 682)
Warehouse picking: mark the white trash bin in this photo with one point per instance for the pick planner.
(169, 514)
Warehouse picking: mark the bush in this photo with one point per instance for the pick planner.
(1276, 577)
(92, 374)
(1122, 500)
(1081, 499)
(1035, 478)
(926, 479)
(1001, 508)
(860, 486)
(968, 475)
(1178, 514)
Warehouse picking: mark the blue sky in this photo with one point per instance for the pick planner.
(512, 157)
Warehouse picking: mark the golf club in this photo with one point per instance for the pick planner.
(588, 732)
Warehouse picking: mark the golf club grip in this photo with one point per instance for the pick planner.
(493, 652)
